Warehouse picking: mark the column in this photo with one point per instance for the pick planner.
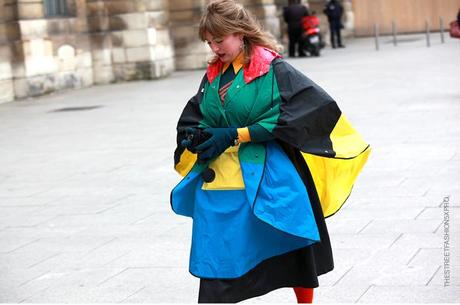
(349, 18)
(130, 39)
(190, 51)
(266, 12)
(9, 32)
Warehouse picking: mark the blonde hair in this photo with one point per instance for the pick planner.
(226, 17)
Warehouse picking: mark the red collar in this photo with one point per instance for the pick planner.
(259, 65)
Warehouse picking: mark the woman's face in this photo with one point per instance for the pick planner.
(226, 48)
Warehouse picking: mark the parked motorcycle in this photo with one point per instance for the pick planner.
(312, 40)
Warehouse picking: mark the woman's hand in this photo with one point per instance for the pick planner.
(193, 138)
(219, 140)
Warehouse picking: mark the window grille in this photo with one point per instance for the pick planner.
(55, 8)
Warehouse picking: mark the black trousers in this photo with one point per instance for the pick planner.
(336, 37)
(295, 38)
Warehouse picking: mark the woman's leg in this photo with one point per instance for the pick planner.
(304, 295)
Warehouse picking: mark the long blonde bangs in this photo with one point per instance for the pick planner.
(226, 17)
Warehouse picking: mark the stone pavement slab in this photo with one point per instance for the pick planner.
(84, 195)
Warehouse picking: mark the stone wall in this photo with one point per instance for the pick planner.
(129, 39)
(266, 13)
(103, 41)
(45, 54)
(8, 32)
(98, 41)
(191, 52)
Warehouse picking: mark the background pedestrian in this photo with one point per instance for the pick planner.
(334, 12)
(293, 14)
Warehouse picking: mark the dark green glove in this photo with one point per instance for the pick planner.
(193, 138)
(220, 139)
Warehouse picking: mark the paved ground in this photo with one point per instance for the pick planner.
(84, 195)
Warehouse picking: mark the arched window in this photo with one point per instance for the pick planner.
(56, 8)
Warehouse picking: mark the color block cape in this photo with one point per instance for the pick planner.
(258, 207)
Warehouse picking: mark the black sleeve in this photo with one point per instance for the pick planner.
(307, 113)
(190, 117)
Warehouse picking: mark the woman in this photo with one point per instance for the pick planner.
(266, 154)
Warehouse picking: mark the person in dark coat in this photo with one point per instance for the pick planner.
(293, 14)
(334, 12)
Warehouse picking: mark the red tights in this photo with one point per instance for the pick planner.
(304, 295)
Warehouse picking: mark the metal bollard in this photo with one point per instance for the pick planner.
(427, 31)
(441, 28)
(393, 27)
(376, 34)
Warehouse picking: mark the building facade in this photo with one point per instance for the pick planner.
(51, 45)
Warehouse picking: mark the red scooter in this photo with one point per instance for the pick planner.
(312, 40)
